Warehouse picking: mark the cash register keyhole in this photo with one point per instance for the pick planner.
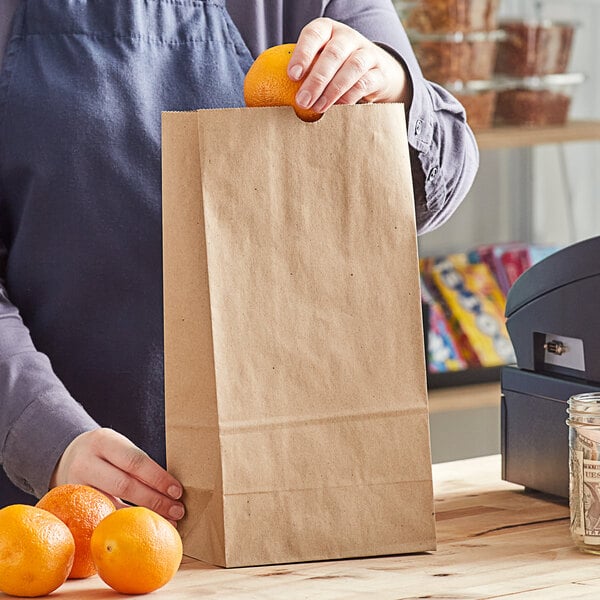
(555, 347)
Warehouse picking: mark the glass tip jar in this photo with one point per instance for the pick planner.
(584, 470)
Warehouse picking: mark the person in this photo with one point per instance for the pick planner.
(82, 87)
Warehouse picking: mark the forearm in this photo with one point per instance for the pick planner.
(443, 152)
(38, 417)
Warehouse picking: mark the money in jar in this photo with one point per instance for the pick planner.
(584, 470)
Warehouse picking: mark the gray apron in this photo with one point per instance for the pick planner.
(81, 93)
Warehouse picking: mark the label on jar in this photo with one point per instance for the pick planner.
(591, 501)
(576, 492)
(585, 490)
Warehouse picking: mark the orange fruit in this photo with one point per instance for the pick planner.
(136, 551)
(267, 82)
(81, 508)
(36, 551)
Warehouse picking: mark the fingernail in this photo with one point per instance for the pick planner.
(296, 72)
(176, 512)
(174, 491)
(303, 99)
(320, 104)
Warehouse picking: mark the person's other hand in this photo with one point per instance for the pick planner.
(344, 67)
(111, 463)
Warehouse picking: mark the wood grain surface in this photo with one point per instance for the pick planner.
(494, 541)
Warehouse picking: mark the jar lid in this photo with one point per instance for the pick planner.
(410, 4)
(584, 408)
(473, 86)
(542, 82)
(538, 23)
(458, 36)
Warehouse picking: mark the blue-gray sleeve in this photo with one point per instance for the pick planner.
(38, 417)
(444, 154)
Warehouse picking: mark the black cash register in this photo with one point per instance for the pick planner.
(553, 319)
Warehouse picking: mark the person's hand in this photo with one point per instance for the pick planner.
(344, 67)
(111, 463)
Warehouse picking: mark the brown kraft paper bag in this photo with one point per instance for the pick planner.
(296, 404)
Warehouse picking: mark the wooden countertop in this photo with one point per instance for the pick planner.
(494, 541)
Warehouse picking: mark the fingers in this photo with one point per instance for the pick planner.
(363, 89)
(111, 463)
(125, 485)
(354, 81)
(310, 42)
(342, 66)
(330, 78)
(120, 504)
(127, 457)
(330, 54)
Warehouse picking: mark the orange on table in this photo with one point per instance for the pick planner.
(81, 508)
(136, 551)
(267, 82)
(36, 551)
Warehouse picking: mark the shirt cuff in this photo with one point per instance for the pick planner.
(35, 455)
(420, 129)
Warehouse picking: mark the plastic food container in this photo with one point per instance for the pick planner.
(478, 99)
(536, 100)
(533, 48)
(447, 16)
(451, 57)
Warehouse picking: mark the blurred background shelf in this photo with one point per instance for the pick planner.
(520, 137)
(461, 378)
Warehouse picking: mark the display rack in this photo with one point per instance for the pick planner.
(498, 138)
(512, 175)
(461, 378)
(521, 137)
